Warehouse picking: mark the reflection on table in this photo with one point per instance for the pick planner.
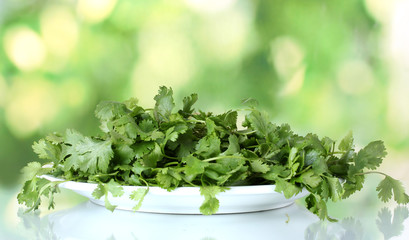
(89, 221)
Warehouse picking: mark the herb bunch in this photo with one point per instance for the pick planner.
(169, 149)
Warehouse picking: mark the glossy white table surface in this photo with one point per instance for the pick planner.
(362, 217)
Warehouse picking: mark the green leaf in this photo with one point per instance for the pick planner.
(34, 189)
(234, 146)
(288, 189)
(109, 110)
(388, 186)
(335, 188)
(72, 139)
(310, 178)
(164, 104)
(138, 196)
(318, 206)
(352, 185)
(320, 166)
(168, 179)
(124, 154)
(33, 169)
(208, 146)
(194, 165)
(114, 188)
(143, 148)
(258, 166)
(346, 143)
(151, 159)
(259, 122)
(187, 105)
(277, 172)
(369, 157)
(47, 150)
(210, 204)
(99, 191)
(94, 155)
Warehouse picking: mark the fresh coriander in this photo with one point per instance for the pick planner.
(172, 148)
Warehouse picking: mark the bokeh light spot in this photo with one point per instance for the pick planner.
(94, 11)
(166, 58)
(223, 37)
(295, 83)
(59, 30)
(287, 56)
(355, 77)
(31, 104)
(24, 47)
(210, 6)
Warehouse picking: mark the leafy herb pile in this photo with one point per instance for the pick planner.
(167, 148)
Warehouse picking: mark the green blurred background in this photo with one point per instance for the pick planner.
(322, 66)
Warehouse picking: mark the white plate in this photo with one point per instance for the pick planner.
(187, 200)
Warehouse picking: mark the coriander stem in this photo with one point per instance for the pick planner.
(106, 174)
(171, 163)
(369, 172)
(246, 133)
(221, 157)
(170, 157)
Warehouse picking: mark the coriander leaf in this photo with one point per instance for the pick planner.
(258, 166)
(288, 189)
(259, 122)
(114, 188)
(346, 143)
(34, 189)
(389, 185)
(320, 166)
(32, 169)
(138, 196)
(124, 154)
(318, 206)
(210, 204)
(311, 157)
(335, 188)
(132, 104)
(150, 159)
(99, 191)
(277, 172)
(108, 204)
(72, 138)
(187, 105)
(164, 104)
(54, 138)
(194, 165)
(369, 157)
(234, 146)
(208, 146)
(310, 178)
(228, 120)
(109, 110)
(94, 155)
(143, 148)
(102, 189)
(46, 150)
(352, 185)
(168, 178)
(328, 144)
(137, 168)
